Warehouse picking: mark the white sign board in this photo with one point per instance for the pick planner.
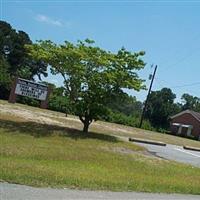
(31, 89)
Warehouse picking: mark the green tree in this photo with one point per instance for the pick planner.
(160, 107)
(59, 100)
(190, 102)
(91, 75)
(177, 107)
(5, 79)
(13, 52)
(126, 104)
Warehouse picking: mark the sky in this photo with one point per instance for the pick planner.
(168, 31)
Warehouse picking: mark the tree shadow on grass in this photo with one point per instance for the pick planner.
(44, 130)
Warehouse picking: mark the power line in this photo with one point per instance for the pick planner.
(186, 85)
(196, 37)
(176, 86)
(180, 60)
(159, 83)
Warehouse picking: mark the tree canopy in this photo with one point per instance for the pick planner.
(94, 80)
(91, 75)
(126, 104)
(14, 60)
(160, 107)
(190, 102)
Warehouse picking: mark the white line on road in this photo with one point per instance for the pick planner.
(187, 152)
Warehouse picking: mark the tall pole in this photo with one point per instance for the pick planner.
(149, 92)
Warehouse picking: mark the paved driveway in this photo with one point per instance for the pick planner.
(173, 152)
(19, 192)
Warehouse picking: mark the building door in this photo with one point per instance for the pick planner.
(184, 131)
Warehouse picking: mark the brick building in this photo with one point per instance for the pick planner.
(186, 123)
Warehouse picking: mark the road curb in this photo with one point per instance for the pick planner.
(191, 148)
(147, 141)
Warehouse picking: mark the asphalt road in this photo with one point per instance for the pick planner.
(176, 153)
(20, 192)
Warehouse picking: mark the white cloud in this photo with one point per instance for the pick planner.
(48, 20)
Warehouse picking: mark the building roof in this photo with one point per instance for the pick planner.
(193, 113)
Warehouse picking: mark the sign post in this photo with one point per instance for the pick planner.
(13, 96)
(30, 89)
(44, 104)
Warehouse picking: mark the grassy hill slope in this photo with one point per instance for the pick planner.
(44, 148)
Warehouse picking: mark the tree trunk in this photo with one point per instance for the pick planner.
(86, 123)
(86, 127)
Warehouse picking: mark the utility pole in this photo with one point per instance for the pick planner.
(149, 92)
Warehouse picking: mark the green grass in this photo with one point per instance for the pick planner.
(39, 154)
(44, 155)
(99, 126)
(126, 131)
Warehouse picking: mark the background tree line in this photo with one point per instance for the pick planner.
(84, 95)
(14, 60)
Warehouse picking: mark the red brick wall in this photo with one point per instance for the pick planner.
(188, 119)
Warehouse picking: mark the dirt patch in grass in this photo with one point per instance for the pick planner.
(96, 162)
(44, 148)
(27, 113)
(124, 150)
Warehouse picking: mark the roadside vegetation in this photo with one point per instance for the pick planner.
(37, 150)
(28, 113)
(93, 84)
(77, 147)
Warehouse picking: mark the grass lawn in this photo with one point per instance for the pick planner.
(41, 154)
(127, 131)
(50, 117)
